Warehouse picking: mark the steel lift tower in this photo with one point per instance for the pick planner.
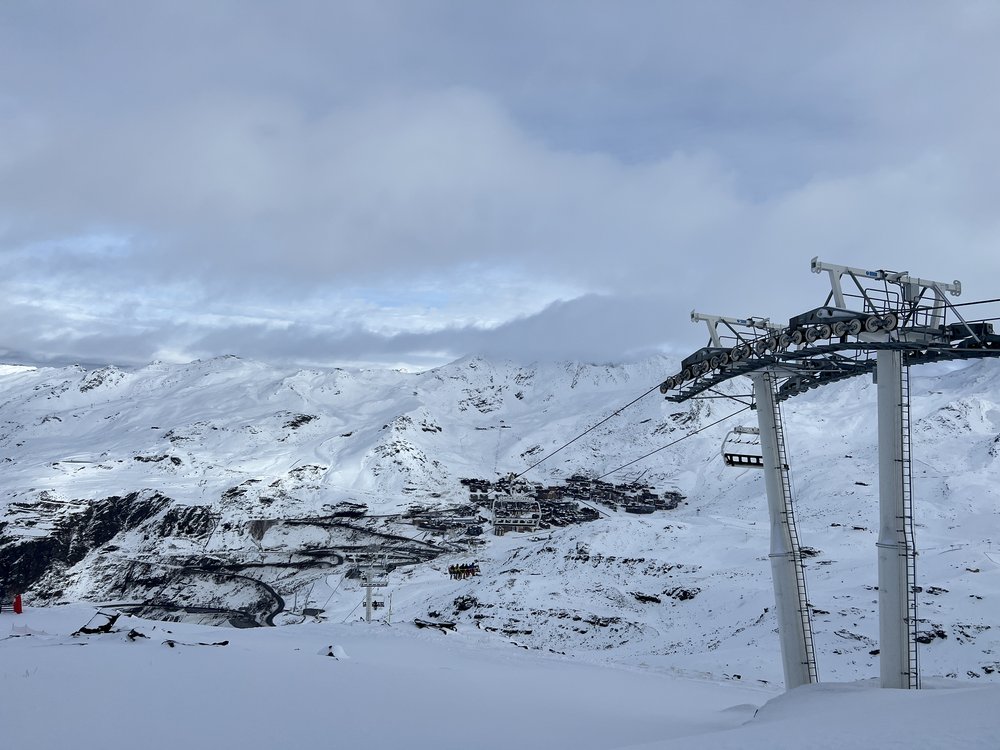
(373, 572)
(879, 322)
(897, 553)
(787, 572)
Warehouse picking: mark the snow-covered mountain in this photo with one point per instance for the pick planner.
(231, 491)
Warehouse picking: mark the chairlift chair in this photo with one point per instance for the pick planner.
(741, 448)
(373, 571)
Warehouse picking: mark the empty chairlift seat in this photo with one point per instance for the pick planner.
(741, 448)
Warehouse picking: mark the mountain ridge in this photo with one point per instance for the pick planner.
(250, 474)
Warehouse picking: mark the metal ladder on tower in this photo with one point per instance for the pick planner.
(789, 513)
(908, 548)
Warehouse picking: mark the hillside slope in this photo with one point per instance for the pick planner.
(232, 492)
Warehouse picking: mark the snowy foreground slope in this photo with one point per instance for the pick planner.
(171, 685)
(227, 491)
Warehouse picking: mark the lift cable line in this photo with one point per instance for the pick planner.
(587, 431)
(678, 440)
(966, 304)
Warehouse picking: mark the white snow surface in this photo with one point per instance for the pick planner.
(395, 686)
(558, 651)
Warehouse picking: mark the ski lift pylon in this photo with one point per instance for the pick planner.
(373, 572)
(373, 569)
(741, 448)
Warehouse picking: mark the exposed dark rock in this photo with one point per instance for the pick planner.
(682, 594)
(190, 521)
(24, 560)
(513, 631)
(646, 598)
(926, 636)
(97, 378)
(602, 622)
(298, 420)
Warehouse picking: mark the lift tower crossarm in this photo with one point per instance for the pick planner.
(902, 278)
(713, 321)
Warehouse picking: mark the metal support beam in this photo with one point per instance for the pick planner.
(731, 324)
(896, 573)
(788, 575)
(902, 278)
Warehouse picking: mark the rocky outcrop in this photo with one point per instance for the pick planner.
(25, 559)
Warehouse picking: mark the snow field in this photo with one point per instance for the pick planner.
(391, 687)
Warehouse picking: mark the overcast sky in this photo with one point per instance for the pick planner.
(404, 183)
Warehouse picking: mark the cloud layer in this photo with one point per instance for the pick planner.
(405, 183)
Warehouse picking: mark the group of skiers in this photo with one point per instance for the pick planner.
(463, 570)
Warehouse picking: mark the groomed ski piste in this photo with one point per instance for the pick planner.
(627, 631)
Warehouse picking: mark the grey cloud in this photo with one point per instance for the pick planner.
(662, 155)
(591, 328)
